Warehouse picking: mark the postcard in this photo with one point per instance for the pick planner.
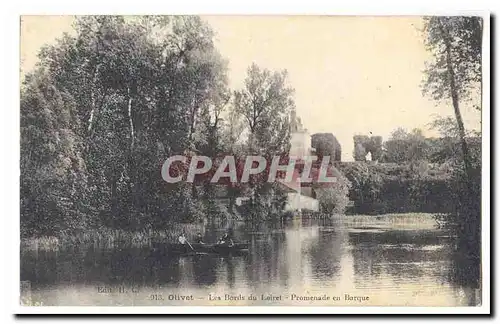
(282, 162)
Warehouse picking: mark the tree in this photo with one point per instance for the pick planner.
(53, 173)
(455, 70)
(364, 144)
(365, 185)
(326, 144)
(403, 146)
(266, 106)
(333, 199)
(135, 90)
(266, 103)
(447, 148)
(359, 151)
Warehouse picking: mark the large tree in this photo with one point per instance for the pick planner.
(455, 70)
(455, 73)
(119, 96)
(404, 146)
(266, 104)
(53, 172)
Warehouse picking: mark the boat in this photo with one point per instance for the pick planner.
(198, 248)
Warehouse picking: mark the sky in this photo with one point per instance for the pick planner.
(351, 74)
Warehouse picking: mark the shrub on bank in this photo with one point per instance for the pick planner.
(399, 188)
(106, 238)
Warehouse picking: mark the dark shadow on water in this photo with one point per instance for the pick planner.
(204, 270)
(279, 257)
(325, 254)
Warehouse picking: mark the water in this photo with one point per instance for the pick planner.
(354, 265)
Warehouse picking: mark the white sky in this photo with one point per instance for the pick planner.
(352, 75)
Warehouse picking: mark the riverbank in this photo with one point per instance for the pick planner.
(106, 238)
(404, 220)
(109, 238)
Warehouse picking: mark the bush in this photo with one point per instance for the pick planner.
(398, 188)
(335, 198)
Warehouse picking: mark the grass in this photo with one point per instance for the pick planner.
(109, 238)
(407, 219)
(28, 301)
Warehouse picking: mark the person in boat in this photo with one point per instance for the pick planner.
(199, 239)
(182, 239)
(184, 242)
(226, 239)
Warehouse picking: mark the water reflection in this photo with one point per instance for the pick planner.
(396, 267)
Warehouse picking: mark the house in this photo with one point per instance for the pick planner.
(299, 197)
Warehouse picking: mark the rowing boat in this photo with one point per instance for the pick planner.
(207, 248)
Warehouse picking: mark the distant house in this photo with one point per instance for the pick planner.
(299, 197)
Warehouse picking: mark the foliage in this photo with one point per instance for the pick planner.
(455, 73)
(364, 144)
(463, 36)
(107, 238)
(391, 187)
(326, 144)
(333, 199)
(266, 104)
(405, 146)
(53, 172)
(366, 185)
(267, 203)
(455, 69)
(104, 108)
(413, 148)
(101, 112)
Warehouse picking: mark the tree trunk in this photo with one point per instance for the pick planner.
(92, 98)
(130, 118)
(455, 102)
(469, 219)
(114, 203)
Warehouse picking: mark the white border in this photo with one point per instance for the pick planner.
(247, 7)
(10, 161)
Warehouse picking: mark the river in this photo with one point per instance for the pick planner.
(301, 263)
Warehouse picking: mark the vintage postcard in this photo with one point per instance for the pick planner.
(282, 162)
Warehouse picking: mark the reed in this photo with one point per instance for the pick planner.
(404, 219)
(106, 238)
(50, 243)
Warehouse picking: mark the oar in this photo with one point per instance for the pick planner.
(190, 245)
